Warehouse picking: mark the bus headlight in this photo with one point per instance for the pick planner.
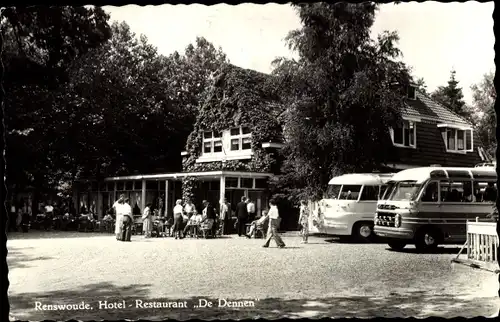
(375, 219)
(397, 221)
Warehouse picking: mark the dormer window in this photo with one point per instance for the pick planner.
(404, 135)
(241, 138)
(412, 92)
(457, 138)
(212, 142)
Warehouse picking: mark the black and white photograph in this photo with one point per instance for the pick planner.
(296, 160)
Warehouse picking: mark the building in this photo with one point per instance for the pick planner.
(230, 153)
(433, 135)
(232, 150)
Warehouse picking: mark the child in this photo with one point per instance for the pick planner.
(304, 221)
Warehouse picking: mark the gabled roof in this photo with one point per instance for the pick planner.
(426, 108)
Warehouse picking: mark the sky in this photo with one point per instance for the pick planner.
(434, 37)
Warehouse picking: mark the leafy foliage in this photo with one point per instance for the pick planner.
(237, 97)
(340, 95)
(88, 99)
(39, 45)
(484, 116)
(451, 96)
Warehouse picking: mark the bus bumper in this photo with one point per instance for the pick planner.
(338, 229)
(391, 232)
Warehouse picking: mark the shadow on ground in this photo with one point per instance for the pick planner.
(51, 234)
(417, 304)
(440, 250)
(17, 258)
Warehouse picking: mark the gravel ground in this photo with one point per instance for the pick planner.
(321, 279)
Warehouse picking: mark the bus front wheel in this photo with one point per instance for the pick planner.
(362, 231)
(396, 244)
(426, 239)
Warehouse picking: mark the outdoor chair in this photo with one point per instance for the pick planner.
(83, 225)
(206, 229)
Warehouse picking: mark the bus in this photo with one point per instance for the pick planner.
(430, 206)
(350, 202)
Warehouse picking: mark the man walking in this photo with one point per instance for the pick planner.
(242, 215)
(273, 226)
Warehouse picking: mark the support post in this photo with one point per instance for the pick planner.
(166, 198)
(143, 196)
(99, 201)
(114, 193)
(222, 194)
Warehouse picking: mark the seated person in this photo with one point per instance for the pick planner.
(259, 223)
(193, 223)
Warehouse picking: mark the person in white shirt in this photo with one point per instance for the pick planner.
(118, 207)
(273, 226)
(250, 209)
(189, 208)
(178, 212)
(224, 216)
(193, 224)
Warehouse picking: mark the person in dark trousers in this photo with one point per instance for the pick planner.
(242, 215)
(128, 221)
(273, 226)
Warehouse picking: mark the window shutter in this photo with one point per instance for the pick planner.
(443, 134)
(468, 141)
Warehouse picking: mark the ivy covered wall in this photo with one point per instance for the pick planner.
(237, 97)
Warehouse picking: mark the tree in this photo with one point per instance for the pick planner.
(343, 93)
(131, 101)
(421, 85)
(483, 110)
(451, 96)
(39, 45)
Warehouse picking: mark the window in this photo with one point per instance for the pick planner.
(111, 186)
(332, 192)
(129, 185)
(246, 183)
(232, 182)
(212, 142)
(215, 185)
(485, 191)
(457, 140)
(412, 93)
(350, 192)
(260, 183)
(405, 191)
(241, 139)
(431, 192)
(151, 185)
(404, 135)
(369, 193)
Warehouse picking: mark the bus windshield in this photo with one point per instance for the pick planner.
(332, 192)
(404, 191)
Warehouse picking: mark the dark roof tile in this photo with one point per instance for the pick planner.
(425, 107)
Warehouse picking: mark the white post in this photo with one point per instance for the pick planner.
(222, 194)
(143, 196)
(166, 198)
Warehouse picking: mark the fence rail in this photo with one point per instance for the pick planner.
(481, 246)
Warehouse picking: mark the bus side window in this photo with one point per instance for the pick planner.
(486, 191)
(350, 192)
(369, 193)
(431, 192)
